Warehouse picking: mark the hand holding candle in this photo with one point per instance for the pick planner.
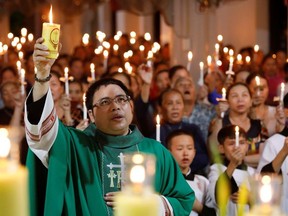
(51, 35)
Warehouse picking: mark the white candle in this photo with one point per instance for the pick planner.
(105, 54)
(66, 77)
(239, 59)
(149, 59)
(84, 107)
(223, 93)
(282, 92)
(18, 64)
(236, 136)
(158, 128)
(22, 81)
(92, 69)
(115, 49)
(190, 56)
(209, 61)
(201, 78)
(217, 47)
(248, 59)
(231, 63)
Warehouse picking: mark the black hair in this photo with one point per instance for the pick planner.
(229, 132)
(96, 86)
(174, 69)
(8, 68)
(175, 133)
(237, 84)
(166, 91)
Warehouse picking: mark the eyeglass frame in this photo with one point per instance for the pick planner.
(127, 99)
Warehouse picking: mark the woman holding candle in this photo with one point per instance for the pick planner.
(268, 115)
(240, 101)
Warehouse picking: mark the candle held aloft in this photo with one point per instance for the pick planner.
(236, 136)
(223, 93)
(158, 128)
(66, 78)
(190, 56)
(92, 69)
(201, 78)
(51, 35)
(282, 92)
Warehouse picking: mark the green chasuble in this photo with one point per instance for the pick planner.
(84, 166)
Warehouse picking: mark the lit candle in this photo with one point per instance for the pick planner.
(231, 63)
(158, 128)
(257, 80)
(51, 34)
(256, 48)
(23, 32)
(220, 38)
(84, 107)
(201, 78)
(147, 36)
(150, 59)
(209, 61)
(105, 54)
(66, 78)
(282, 91)
(18, 64)
(137, 195)
(85, 39)
(30, 37)
(225, 50)
(248, 59)
(92, 69)
(13, 181)
(239, 59)
(223, 93)
(190, 56)
(236, 136)
(22, 81)
(115, 49)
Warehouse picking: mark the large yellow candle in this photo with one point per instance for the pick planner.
(51, 35)
(140, 205)
(13, 182)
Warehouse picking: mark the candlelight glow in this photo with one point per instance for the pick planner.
(147, 36)
(18, 64)
(5, 47)
(5, 143)
(84, 97)
(137, 174)
(150, 55)
(120, 70)
(10, 35)
(115, 47)
(217, 46)
(220, 38)
(19, 46)
(66, 70)
(23, 32)
(20, 55)
(225, 50)
(219, 62)
(201, 65)
(248, 59)
(30, 37)
(92, 67)
(209, 60)
(105, 54)
(239, 57)
(106, 44)
(22, 40)
(256, 48)
(158, 119)
(141, 48)
(231, 52)
(132, 40)
(223, 93)
(266, 189)
(257, 80)
(50, 15)
(190, 56)
(133, 34)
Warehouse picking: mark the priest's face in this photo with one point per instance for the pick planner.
(112, 110)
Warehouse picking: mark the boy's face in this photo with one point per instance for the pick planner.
(228, 147)
(182, 149)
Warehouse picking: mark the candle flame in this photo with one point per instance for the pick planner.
(66, 72)
(225, 50)
(201, 65)
(256, 48)
(92, 67)
(220, 38)
(5, 143)
(158, 119)
(239, 57)
(137, 174)
(248, 59)
(84, 97)
(190, 56)
(50, 15)
(231, 52)
(105, 53)
(141, 48)
(257, 80)
(217, 46)
(150, 55)
(223, 93)
(266, 189)
(209, 60)
(282, 86)
(236, 129)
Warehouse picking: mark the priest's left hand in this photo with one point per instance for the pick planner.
(110, 198)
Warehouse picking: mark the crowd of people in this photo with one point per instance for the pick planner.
(197, 121)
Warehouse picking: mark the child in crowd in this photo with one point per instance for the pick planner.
(229, 181)
(181, 145)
